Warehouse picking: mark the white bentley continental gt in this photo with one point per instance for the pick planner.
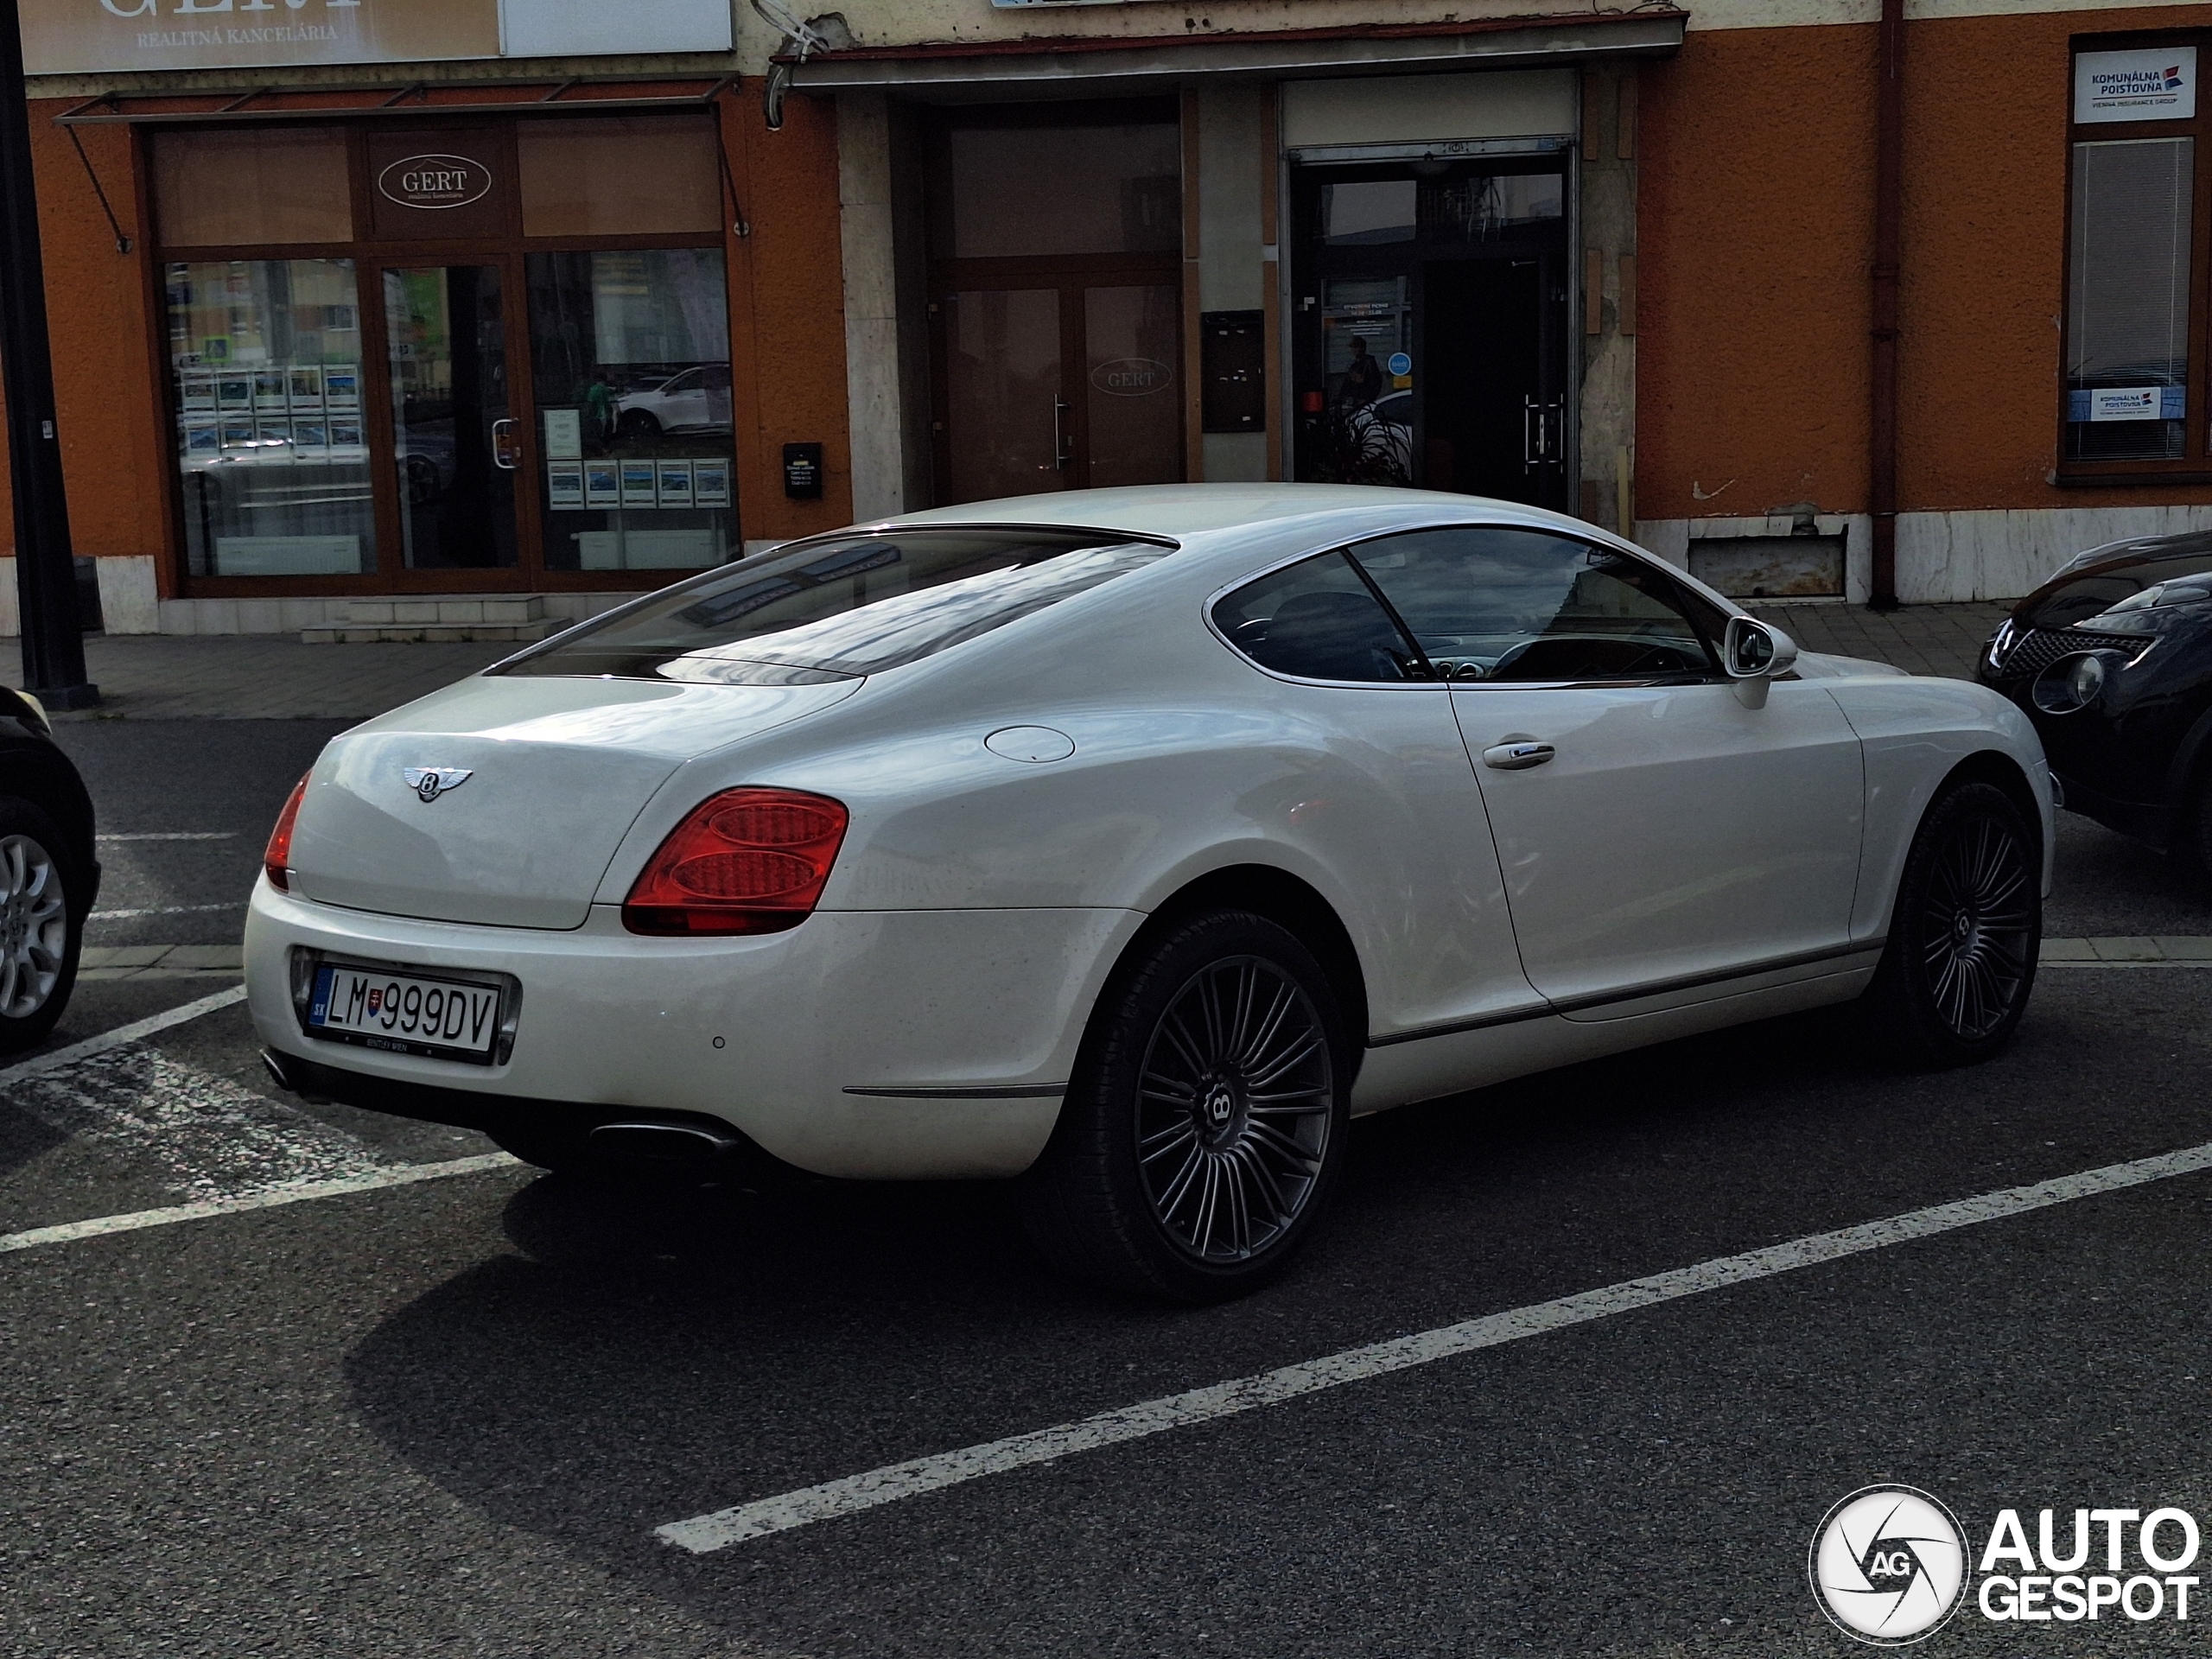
(1126, 843)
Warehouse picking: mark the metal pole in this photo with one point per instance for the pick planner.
(1889, 215)
(46, 572)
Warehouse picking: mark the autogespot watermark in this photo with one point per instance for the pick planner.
(1889, 1565)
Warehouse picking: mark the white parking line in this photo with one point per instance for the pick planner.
(161, 910)
(854, 1493)
(59, 1057)
(270, 1198)
(173, 834)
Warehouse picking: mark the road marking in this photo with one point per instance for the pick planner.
(206, 1135)
(833, 1498)
(300, 1192)
(39, 1064)
(173, 834)
(161, 910)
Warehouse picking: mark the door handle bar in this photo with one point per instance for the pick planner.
(1517, 757)
(1060, 455)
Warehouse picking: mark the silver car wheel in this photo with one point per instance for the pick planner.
(1234, 1109)
(33, 927)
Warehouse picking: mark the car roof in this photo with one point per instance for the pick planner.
(1177, 510)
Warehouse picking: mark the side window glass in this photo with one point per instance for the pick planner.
(1490, 603)
(1317, 619)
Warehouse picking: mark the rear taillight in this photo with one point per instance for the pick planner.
(747, 860)
(276, 861)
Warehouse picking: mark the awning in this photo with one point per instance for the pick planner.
(1093, 65)
(572, 97)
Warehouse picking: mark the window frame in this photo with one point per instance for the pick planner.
(1714, 675)
(2194, 464)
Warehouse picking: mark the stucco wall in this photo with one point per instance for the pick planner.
(1756, 229)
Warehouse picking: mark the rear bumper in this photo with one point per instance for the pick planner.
(884, 1045)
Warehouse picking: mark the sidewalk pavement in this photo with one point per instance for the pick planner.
(262, 676)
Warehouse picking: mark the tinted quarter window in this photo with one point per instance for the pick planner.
(1317, 619)
(841, 606)
(1491, 603)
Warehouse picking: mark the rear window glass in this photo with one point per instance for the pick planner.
(841, 606)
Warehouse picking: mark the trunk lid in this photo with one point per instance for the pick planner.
(556, 770)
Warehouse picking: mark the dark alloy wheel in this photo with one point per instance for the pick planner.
(1966, 931)
(41, 926)
(1205, 1128)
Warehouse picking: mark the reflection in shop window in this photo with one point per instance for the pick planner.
(266, 360)
(631, 358)
(1368, 210)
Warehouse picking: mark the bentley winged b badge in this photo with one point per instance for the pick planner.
(430, 782)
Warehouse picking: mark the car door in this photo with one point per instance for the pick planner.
(683, 401)
(1659, 837)
(1385, 802)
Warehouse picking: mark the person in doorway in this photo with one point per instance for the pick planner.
(1362, 381)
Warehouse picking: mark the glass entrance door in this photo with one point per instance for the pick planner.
(457, 443)
(1430, 317)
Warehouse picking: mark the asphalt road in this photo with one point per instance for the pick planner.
(447, 1417)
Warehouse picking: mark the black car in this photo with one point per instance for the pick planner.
(48, 874)
(2112, 659)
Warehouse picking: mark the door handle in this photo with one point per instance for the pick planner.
(1060, 455)
(506, 451)
(1517, 757)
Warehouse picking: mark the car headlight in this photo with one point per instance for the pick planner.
(2074, 681)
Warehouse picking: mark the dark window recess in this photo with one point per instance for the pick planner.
(803, 470)
(1233, 361)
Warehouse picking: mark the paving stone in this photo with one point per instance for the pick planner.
(2068, 950)
(2127, 950)
(2184, 949)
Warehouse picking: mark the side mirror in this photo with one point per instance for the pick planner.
(1754, 653)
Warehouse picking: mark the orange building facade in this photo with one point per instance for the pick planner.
(383, 347)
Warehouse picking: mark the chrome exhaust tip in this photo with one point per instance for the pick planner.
(662, 1145)
(273, 1063)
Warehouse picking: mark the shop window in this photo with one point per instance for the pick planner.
(630, 360)
(232, 189)
(627, 176)
(2127, 314)
(266, 356)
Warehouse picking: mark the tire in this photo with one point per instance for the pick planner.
(1169, 1174)
(2195, 842)
(41, 925)
(640, 425)
(1965, 932)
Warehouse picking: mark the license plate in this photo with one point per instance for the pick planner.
(405, 1014)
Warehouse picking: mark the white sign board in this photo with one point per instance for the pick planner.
(2153, 84)
(2124, 404)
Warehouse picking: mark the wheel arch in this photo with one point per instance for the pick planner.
(1292, 904)
(2002, 771)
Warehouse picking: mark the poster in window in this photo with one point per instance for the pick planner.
(675, 483)
(269, 393)
(197, 394)
(602, 484)
(234, 391)
(564, 484)
(310, 435)
(203, 440)
(2155, 83)
(341, 386)
(307, 387)
(640, 484)
(237, 434)
(710, 483)
(564, 434)
(345, 434)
